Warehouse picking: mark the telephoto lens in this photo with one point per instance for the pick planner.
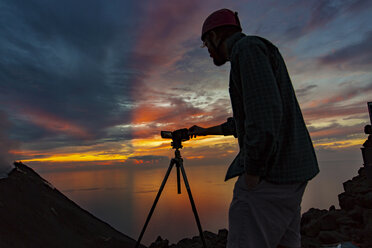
(166, 134)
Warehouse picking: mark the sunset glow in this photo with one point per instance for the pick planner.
(86, 87)
(104, 95)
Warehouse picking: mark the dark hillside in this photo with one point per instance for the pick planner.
(35, 214)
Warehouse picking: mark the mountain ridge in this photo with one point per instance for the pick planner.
(33, 213)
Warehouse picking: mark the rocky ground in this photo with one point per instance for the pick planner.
(211, 240)
(351, 223)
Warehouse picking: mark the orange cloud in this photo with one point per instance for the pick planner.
(159, 45)
(53, 122)
(336, 131)
(340, 144)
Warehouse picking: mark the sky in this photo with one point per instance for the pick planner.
(92, 83)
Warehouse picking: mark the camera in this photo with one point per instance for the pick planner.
(368, 129)
(177, 136)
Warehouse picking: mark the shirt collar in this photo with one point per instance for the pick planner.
(230, 42)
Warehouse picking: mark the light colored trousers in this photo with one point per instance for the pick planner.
(265, 216)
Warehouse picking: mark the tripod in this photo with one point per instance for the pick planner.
(178, 161)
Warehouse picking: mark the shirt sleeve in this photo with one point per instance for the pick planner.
(228, 128)
(262, 108)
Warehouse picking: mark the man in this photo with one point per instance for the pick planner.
(276, 157)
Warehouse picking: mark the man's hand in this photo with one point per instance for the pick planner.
(197, 131)
(251, 180)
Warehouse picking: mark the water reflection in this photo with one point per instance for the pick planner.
(123, 197)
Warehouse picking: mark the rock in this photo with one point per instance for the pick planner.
(27, 218)
(312, 229)
(357, 236)
(367, 234)
(197, 239)
(311, 214)
(348, 186)
(356, 214)
(346, 230)
(331, 237)
(366, 200)
(222, 236)
(368, 172)
(159, 243)
(357, 185)
(212, 240)
(54, 211)
(307, 242)
(311, 222)
(209, 235)
(346, 201)
(367, 217)
(187, 243)
(347, 221)
(361, 171)
(328, 222)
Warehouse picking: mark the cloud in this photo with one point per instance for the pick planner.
(349, 92)
(53, 123)
(323, 12)
(313, 16)
(332, 111)
(159, 50)
(170, 93)
(159, 42)
(355, 56)
(148, 159)
(341, 116)
(302, 92)
(63, 71)
(335, 131)
(6, 146)
(103, 75)
(359, 5)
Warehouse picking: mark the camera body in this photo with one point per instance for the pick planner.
(177, 137)
(368, 129)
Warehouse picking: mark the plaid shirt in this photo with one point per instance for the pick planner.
(267, 120)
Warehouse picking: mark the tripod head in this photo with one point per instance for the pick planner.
(177, 137)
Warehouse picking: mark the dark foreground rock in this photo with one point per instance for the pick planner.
(35, 214)
(211, 240)
(351, 223)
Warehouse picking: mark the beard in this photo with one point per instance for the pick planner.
(218, 59)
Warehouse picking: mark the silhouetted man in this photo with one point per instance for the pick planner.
(276, 157)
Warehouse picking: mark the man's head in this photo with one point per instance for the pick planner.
(218, 26)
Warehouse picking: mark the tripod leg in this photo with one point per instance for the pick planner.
(178, 180)
(155, 202)
(192, 203)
